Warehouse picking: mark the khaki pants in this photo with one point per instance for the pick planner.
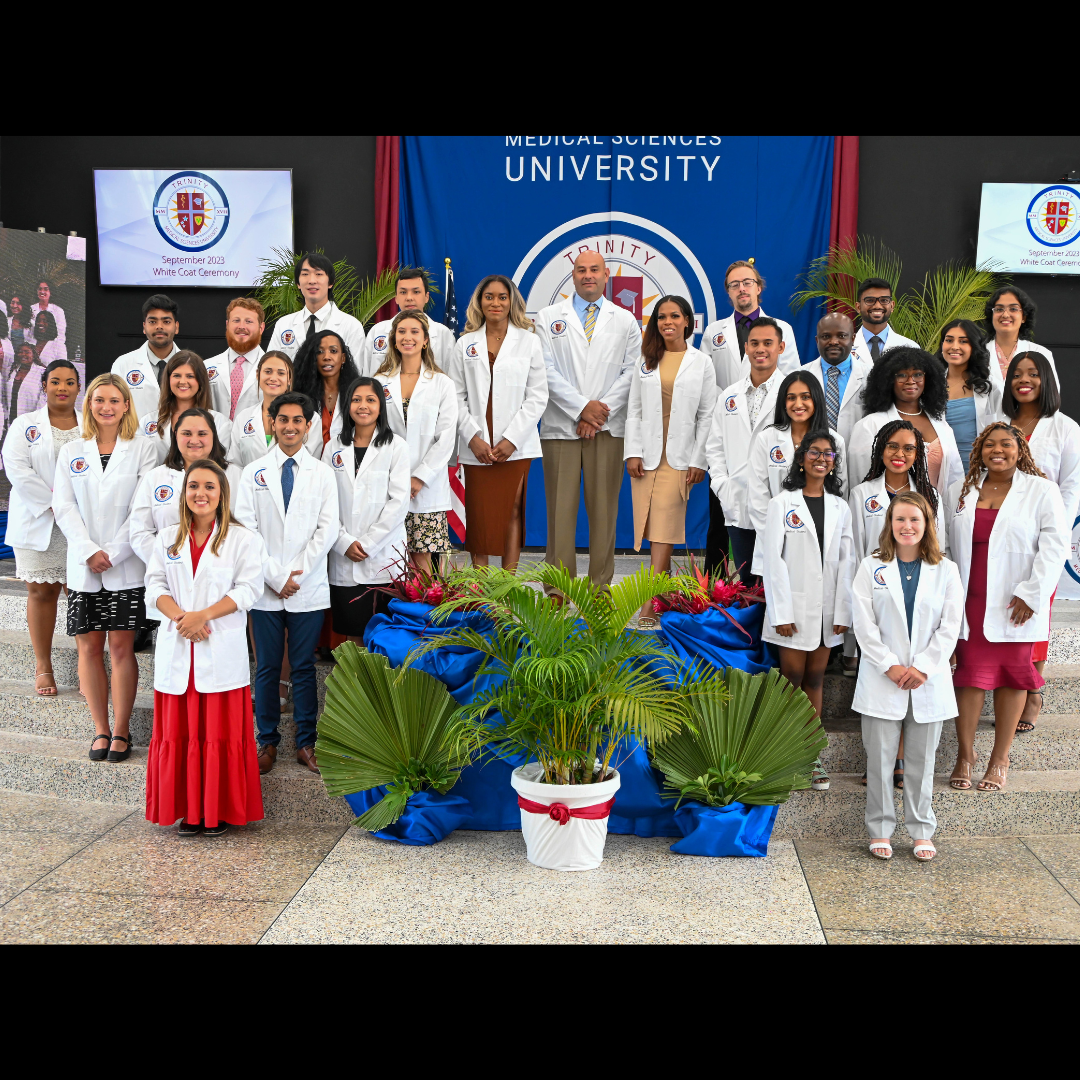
(600, 461)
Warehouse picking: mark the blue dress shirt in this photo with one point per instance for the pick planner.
(580, 306)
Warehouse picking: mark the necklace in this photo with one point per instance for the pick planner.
(902, 413)
(896, 491)
(906, 568)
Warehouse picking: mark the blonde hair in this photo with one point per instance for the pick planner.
(392, 364)
(1025, 463)
(224, 510)
(129, 423)
(929, 548)
(474, 317)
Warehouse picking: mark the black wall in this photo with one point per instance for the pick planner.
(919, 194)
(48, 182)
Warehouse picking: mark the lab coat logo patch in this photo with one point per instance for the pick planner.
(260, 478)
(776, 456)
(287, 337)
(558, 328)
(873, 504)
(163, 494)
(79, 466)
(794, 521)
(718, 341)
(191, 211)
(1053, 217)
(379, 344)
(386, 392)
(338, 461)
(150, 428)
(212, 374)
(472, 352)
(249, 427)
(135, 378)
(960, 507)
(173, 558)
(879, 575)
(33, 434)
(731, 406)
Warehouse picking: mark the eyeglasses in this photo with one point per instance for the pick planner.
(746, 283)
(911, 376)
(896, 448)
(813, 455)
(1012, 309)
(873, 301)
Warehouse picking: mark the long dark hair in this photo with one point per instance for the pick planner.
(1027, 306)
(878, 395)
(918, 471)
(781, 419)
(167, 399)
(306, 377)
(977, 377)
(383, 434)
(1049, 394)
(175, 460)
(652, 344)
(796, 477)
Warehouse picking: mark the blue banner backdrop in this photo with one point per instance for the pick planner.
(669, 212)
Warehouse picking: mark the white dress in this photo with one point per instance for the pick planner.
(48, 566)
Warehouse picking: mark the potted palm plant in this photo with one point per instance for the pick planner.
(572, 687)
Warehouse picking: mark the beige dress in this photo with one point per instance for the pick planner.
(660, 496)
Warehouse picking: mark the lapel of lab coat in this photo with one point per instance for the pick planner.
(896, 591)
(831, 514)
(272, 476)
(394, 400)
(206, 556)
(123, 446)
(855, 382)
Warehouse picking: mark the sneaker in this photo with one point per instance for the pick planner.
(189, 828)
(850, 666)
(819, 778)
(220, 829)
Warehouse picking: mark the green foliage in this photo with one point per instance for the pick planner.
(576, 681)
(756, 746)
(951, 291)
(383, 727)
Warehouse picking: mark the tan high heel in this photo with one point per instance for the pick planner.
(961, 776)
(997, 776)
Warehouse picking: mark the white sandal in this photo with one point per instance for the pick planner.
(283, 701)
(925, 845)
(875, 848)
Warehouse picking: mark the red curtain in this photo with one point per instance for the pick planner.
(387, 164)
(845, 190)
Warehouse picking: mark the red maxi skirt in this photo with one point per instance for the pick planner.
(203, 765)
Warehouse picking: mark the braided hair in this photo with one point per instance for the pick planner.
(1025, 463)
(919, 474)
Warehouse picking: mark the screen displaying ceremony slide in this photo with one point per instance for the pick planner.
(1030, 228)
(208, 227)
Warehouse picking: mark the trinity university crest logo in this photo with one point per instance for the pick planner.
(150, 428)
(730, 405)
(191, 211)
(260, 478)
(163, 494)
(338, 460)
(794, 521)
(249, 427)
(1053, 218)
(558, 328)
(135, 377)
(776, 456)
(33, 434)
(960, 507)
(873, 504)
(287, 337)
(173, 557)
(379, 344)
(79, 466)
(718, 341)
(472, 352)
(879, 575)
(212, 372)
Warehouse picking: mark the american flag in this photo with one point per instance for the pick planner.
(456, 516)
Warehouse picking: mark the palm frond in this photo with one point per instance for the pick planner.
(835, 276)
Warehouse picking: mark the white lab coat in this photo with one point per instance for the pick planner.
(290, 331)
(1022, 346)
(771, 455)
(580, 371)
(372, 501)
(300, 540)
(221, 661)
(248, 437)
(1055, 446)
(161, 439)
(880, 622)
(518, 399)
(373, 350)
(313, 444)
(219, 368)
(801, 587)
(31, 468)
(93, 509)
(869, 503)
(431, 435)
(728, 447)
(720, 343)
(1028, 547)
(693, 403)
(31, 395)
(851, 406)
(138, 369)
(860, 449)
(58, 317)
(894, 341)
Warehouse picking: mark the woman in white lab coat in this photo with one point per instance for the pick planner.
(93, 490)
(1033, 403)
(253, 430)
(32, 445)
(323, 369)
(809, 563)
(185, 385)
(501, 382)
(672, 397)
(422, 409)
(1010, 321)
(21, 390)
(907, 384)
(204, 576)
(907, 603)
(371, 469)
(974, 401)
(1009, 537)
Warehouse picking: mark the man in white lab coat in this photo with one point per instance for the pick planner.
(413, 294)
(142, 368)
(591, 350)
(876, 305)
(233, 383)
(842, 376)
(315, 279)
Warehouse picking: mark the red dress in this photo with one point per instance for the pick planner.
(203, 765)
(989, 665)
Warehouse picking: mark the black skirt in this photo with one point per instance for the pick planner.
(352, 606)
(104, 610)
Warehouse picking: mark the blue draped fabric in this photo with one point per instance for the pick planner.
(428, 818)
(712, 637)
(719, 831)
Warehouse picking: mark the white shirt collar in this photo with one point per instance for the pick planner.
(280, 457)
(748, 385)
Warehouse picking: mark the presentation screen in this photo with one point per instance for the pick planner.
(176, 227)
(1030, 228)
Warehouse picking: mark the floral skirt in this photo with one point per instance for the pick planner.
(428, 532)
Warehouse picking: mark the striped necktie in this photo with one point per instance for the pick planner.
(590, 321)
(832, 395)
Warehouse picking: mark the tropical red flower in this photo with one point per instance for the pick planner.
(434, 595)
(412, 590)
(659, 606)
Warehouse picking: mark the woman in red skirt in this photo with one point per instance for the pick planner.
(203, 578)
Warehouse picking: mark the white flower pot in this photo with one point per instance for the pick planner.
(579, 843)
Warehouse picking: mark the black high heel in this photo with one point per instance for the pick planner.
(122, 755)
(99, 755)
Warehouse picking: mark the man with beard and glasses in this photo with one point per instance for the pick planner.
(234, 384)
(876, 304)
(142, 369)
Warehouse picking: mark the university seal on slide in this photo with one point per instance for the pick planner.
(1053, 216)
(191, 211)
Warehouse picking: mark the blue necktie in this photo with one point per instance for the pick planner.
(287, 479)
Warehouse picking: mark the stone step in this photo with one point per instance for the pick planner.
(1033, 804)
(35, 764)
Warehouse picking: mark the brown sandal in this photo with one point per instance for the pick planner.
(961, 776)
(996, 778)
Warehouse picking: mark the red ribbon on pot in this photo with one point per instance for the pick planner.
(562, 813)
